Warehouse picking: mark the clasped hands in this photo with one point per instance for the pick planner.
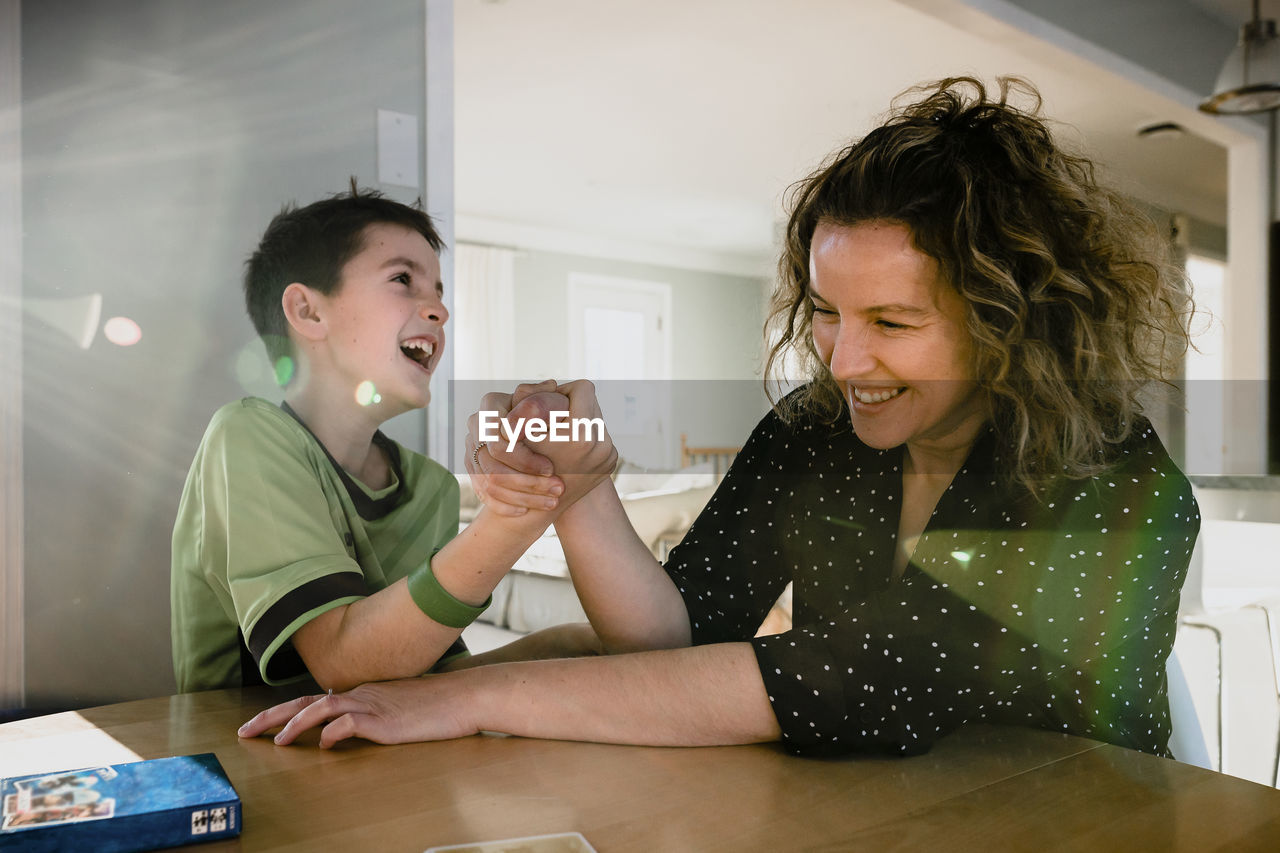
(510, 477)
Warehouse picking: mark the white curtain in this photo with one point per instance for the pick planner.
(484, 317)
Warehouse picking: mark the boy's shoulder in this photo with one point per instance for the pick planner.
(253, 422)
(250, 411)
(258, 427)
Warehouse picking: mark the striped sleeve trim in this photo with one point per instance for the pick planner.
(282, 618)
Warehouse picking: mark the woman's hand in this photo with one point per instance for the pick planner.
(582, 464)
(414, 709)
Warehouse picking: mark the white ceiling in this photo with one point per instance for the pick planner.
(680, 123)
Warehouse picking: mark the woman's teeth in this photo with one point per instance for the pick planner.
(876, 396)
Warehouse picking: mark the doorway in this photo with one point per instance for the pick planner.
(620, 338)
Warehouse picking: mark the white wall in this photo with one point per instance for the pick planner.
(714, 393)
(717, 318)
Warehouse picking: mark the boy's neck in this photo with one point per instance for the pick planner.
(347, 433)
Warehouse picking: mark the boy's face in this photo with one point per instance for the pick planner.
(386, 320)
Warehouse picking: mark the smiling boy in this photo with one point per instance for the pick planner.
(307, 542)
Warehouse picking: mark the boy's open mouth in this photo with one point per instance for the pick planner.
(419, 350)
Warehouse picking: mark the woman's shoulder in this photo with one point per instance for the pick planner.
(1142, 454)
(1142, 485)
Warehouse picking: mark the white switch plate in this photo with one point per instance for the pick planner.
(398, 149)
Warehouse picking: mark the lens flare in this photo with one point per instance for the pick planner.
(251, 368)
(284, 370)
(121, 331)
(366, 394)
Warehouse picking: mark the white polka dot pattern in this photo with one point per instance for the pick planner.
(1058, 613)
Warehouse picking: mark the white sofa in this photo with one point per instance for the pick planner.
(538, 592)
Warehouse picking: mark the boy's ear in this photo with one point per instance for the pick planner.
(301, 307)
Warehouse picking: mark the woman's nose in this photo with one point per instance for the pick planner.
(852, 356)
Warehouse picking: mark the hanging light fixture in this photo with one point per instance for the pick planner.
(1250, 78)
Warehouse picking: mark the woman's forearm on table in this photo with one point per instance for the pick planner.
(699, 696)
(630, 600)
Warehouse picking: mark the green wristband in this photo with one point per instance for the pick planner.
(436, 601)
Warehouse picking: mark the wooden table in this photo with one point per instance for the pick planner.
(983, 788)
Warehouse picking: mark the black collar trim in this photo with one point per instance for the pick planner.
(370, 509)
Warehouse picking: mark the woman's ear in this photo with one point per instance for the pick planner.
(301, 307)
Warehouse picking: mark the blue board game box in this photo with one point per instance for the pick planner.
(142, 805)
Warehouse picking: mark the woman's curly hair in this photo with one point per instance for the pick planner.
(1073, 302)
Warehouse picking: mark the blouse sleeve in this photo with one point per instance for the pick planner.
(726, 567)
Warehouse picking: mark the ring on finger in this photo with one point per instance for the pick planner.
(475, 454)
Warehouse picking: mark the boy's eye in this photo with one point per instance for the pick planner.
(403, 278)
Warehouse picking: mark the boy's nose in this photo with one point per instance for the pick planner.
(434, 311)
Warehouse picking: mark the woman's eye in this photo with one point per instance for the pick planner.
(889, 324)
(826, 312)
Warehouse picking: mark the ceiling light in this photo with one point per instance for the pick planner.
(1250, 79)
(1162, 130)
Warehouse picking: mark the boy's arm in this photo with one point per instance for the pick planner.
(386, 635)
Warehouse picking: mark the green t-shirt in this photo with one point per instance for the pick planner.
(271, 532)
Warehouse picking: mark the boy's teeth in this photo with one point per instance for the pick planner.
(420, 351)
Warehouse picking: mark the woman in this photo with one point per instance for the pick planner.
(979, 523)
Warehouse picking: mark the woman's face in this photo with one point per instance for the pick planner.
(893, 334)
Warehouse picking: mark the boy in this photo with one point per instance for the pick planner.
(307, 542)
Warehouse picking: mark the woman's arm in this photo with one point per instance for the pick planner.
(631, 601)
(702, 696)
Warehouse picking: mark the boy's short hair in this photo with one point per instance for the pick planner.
(311, 245)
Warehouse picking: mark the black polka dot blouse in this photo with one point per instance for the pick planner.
(1058, 613)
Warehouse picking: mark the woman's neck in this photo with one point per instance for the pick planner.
(940, 460)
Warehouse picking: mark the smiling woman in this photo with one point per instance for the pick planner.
(892, 333)
(1069, 296)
